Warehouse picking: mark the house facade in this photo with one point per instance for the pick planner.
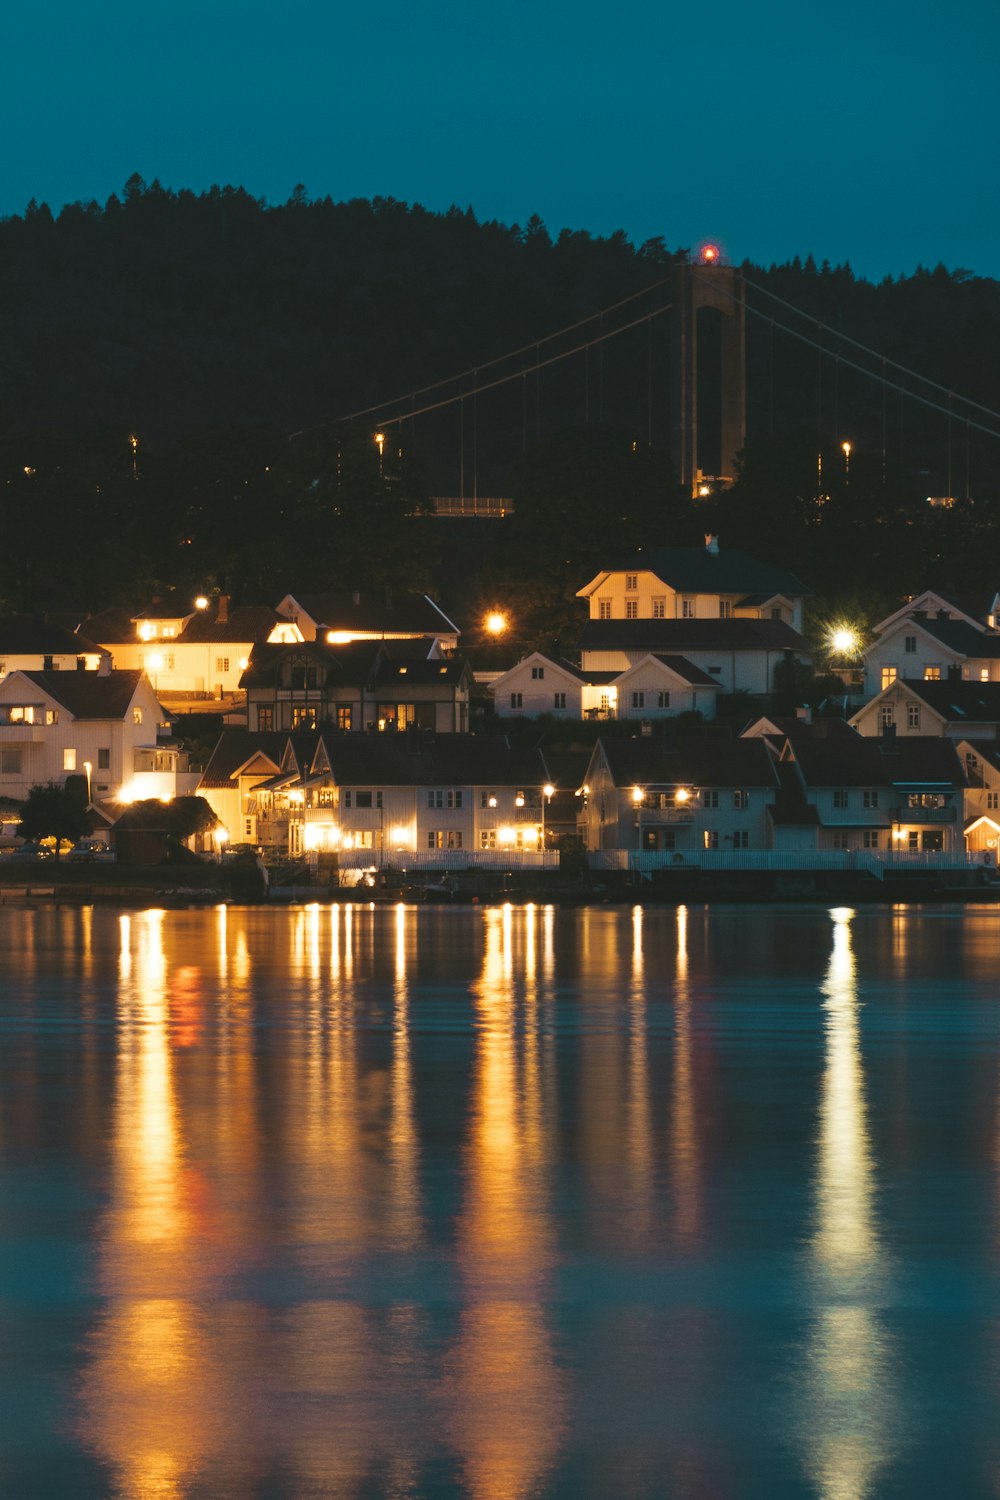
(29, 644)
(403, 800)
(702, 794)
(190, 652)
(952, 706)
(363, 685)
(655, 687)
(104, 725)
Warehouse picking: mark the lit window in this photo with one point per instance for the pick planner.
(69, 759)
(711, 838)
(889, 675)
(932, 674)
(984, 674)
(137, 716)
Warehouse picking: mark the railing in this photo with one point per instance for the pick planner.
(857, 861)
(447, 859)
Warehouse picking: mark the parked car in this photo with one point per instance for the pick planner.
(32, 851)
(90, 851)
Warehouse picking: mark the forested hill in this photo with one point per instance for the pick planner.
(172, 313)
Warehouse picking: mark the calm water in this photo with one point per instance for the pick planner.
(500, 1203)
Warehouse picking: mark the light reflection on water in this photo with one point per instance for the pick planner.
(505, 1203)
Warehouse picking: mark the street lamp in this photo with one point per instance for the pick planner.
(637, 798)
(547, 791)
(846, 449)
(88, 766)
(495, 623)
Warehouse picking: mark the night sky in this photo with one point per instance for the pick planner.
(862, 132)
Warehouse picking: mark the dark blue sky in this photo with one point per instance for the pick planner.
(862, 132)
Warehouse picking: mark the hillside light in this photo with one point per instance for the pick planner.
(495, 622)
(201, 602)
(846, 449)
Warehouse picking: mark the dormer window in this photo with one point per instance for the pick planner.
(631, 581)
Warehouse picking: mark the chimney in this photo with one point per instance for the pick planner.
(222, 610)
(104, 670)
(712, 545)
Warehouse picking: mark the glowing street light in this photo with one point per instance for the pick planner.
(844, 641)
(495, 623)
(88, 766)
(847, 449)
(547, 793)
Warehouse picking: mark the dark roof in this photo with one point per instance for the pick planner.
(419, 759)
(359, 611)
(708, 760)
(391, 669)
(858, 760)
(959, 636)
(971, 701)
(696, 570)
(24, 635)
(790, 808)
(90, 695)
(687, 670)
(355, 662)
(987, 750)
(246, 622)
(677, 636)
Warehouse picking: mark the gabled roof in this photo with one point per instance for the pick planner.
(696, 570)
(234, 749)
(975, 607)
(687, 670)
(355, 662)
(557, 664)
(707, 760)
(670, 637)
(88, 695)
(30, 635)
(957, 636)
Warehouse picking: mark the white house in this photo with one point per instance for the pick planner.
(414, 799)
(700, 793)
(981, 760)
(655, 687)
(935, 634)
(188, 651)
(104, 725)
(695, 583)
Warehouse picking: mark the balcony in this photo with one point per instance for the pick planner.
(22, 734)
(920, 815)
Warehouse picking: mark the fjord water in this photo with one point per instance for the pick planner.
(499, 1202)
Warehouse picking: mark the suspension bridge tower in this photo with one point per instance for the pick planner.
(708, 370)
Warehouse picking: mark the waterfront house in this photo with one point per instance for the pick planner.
(981, 761)
(700, 793)
(106, 725)
(403, 799)
(891, 796)
(655, 687)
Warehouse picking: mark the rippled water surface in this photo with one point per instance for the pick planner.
(499, 1202)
